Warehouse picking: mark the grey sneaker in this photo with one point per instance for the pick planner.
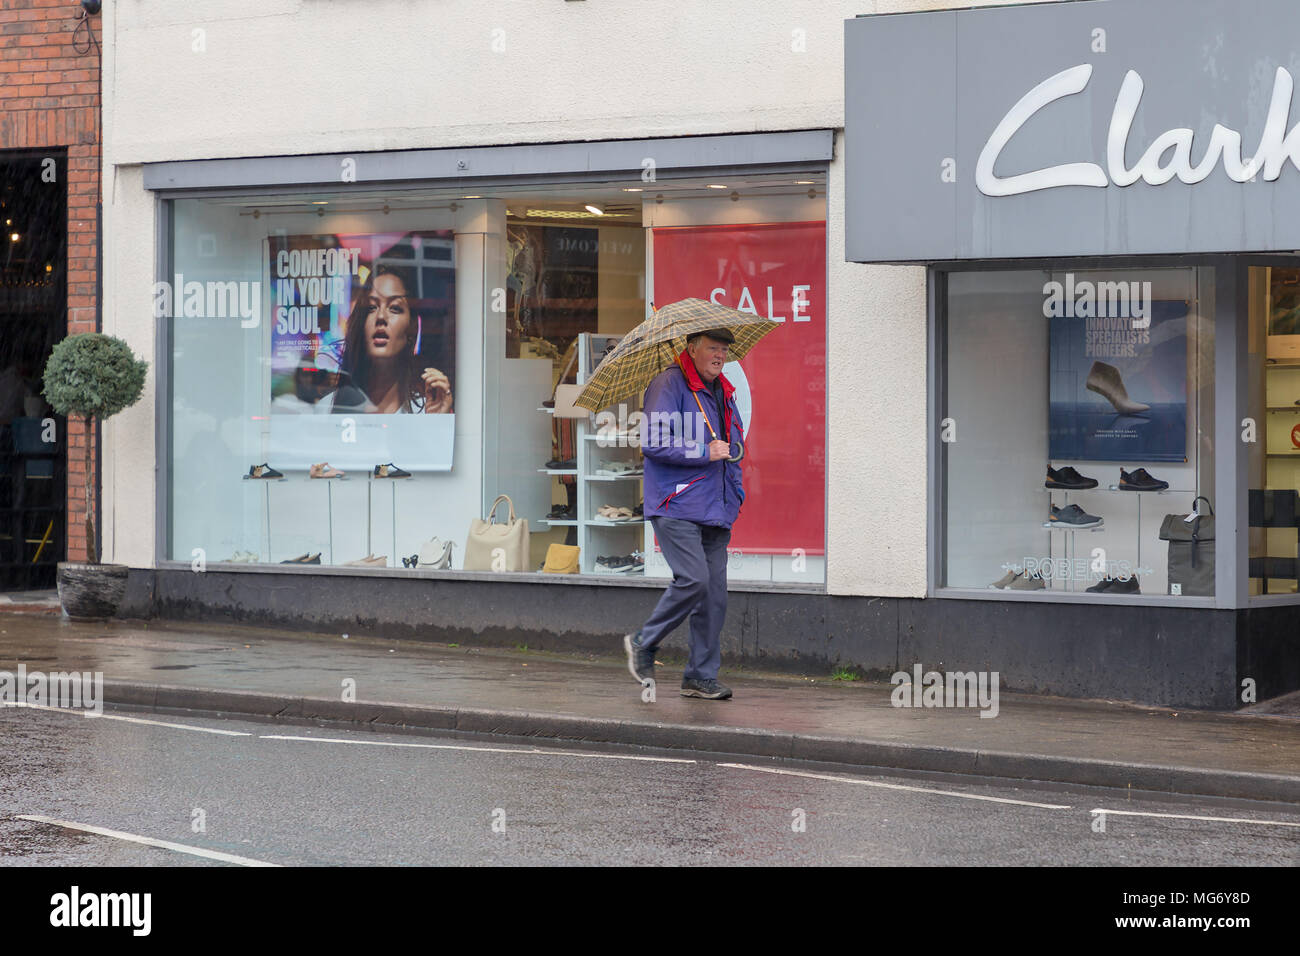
(1006, 579)
(1072, 516)
(708, 689)
(640, 662)
(1028, 582)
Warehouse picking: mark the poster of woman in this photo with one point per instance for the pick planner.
(363, 325)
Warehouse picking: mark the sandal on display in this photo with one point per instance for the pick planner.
(325, 470)
(390, 471)
(263, 471)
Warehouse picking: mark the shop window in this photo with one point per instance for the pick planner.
(1271, 431)
(354, 380)
(1076, 432)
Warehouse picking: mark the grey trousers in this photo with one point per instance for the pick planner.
(697, 554)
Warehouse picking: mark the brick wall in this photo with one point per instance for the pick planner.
(49, 98)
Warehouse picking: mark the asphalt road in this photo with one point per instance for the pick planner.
(290, 795)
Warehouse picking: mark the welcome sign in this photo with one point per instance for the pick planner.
(1091, 128)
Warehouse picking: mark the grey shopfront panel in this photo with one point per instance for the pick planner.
(926, 93)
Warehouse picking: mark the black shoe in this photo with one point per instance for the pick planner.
(1072, 516)
(1068, 479)
(640, 662)
(561, 513)
(1101, 586)
(390, 471)
(263, 471)
(562, 464)
(1140, 480)
(1127, 585)
(708, 689)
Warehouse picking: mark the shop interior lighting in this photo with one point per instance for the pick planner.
(14, 237)
(594, 210)
(716, 186)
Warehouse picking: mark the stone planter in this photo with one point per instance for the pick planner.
(91, 592)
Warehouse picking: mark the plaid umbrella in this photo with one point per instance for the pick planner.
(655, 344)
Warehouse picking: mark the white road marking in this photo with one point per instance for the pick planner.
(132, 720)
(1186, 816)
(500, 750)
(894, 786)
(147, 841)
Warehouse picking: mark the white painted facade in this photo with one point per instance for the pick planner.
(212, 79)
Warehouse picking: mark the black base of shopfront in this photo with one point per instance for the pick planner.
(1161, 656)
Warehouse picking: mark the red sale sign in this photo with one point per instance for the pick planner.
(776, 271)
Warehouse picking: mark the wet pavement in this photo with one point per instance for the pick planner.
(313, 797)
(523, 693)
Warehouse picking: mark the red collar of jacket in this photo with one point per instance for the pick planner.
(687, 365)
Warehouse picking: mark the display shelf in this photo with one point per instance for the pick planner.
(1148, 491)
(558, 471)
(559, 522)
(637, 474)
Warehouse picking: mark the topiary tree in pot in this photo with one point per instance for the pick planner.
(90, 376)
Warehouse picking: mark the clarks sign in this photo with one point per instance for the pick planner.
(1169, 155)
(1086, 128)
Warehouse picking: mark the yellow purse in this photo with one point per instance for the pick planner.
(561, 559)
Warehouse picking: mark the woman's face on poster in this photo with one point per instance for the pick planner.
(388, 318)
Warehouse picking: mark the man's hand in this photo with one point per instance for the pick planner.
(719, 450)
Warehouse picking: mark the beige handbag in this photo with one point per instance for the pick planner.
(562, 559)
(565, 396)
(493, 546)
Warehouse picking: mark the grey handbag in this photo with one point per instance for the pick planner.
(1191, 552)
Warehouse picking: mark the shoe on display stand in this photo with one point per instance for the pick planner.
(1069, 479)
(243, 557)
(1027, 582)
(562, 464)
(1106, 381)
(1128, 585)
(390, 471)
(1074, 517)
(1006, 579)
(263, 471)
(304, 559)
(324, 470)
(1140, 480)
(1102, 586)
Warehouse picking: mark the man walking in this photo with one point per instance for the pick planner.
(693, 494)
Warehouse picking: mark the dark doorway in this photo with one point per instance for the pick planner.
(33, 317)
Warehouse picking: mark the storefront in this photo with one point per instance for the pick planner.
(1114, 384)
(499, 222)
(289, 444)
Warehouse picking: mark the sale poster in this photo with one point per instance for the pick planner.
(776, 271)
